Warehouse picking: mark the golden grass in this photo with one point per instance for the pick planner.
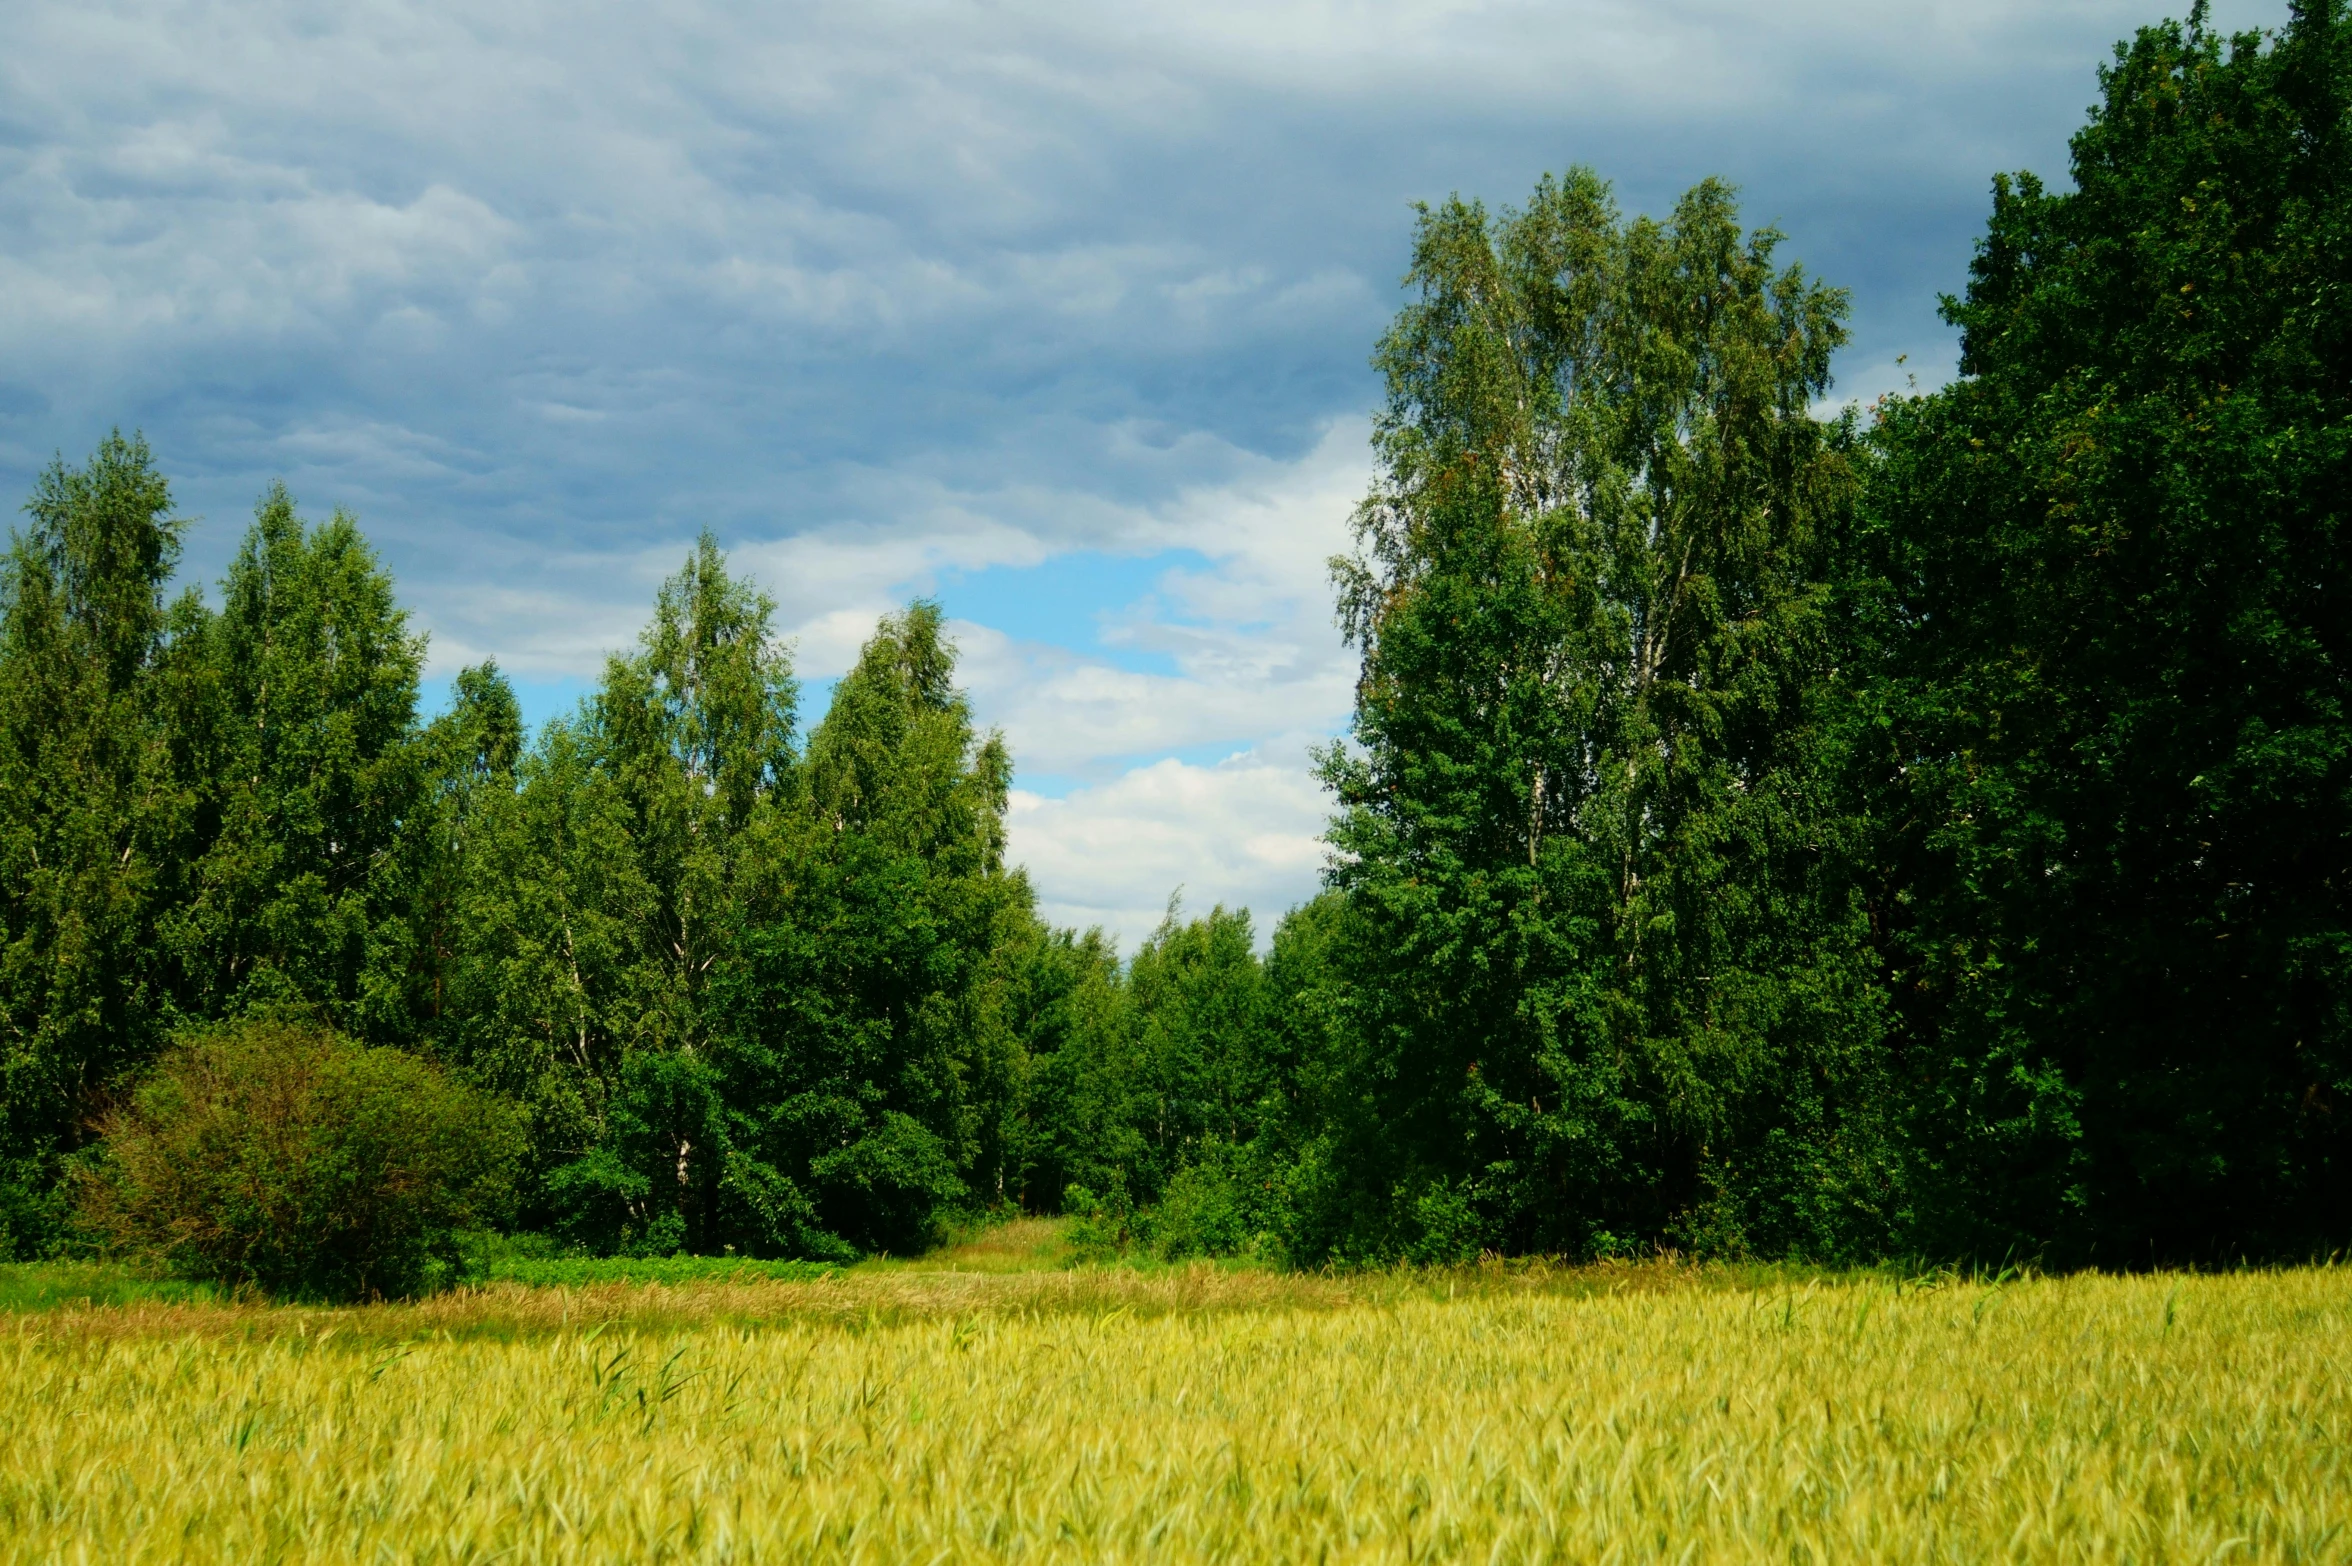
(1022, 1244)
(1628, 1414)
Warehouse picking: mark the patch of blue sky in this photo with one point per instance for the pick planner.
(542, 700)
(816, 699)
(1074, 601)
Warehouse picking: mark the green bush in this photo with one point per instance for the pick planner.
(285, 1158)
(1101, 1227)
(31, 1214)
(1202, 1214)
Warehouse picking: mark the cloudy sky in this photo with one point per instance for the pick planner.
(1059, 313)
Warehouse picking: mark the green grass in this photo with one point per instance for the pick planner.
(61, 1285)
(31, 1287)
(989, 1245)
(579, 1272)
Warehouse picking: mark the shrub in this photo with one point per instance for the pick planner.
(1202, 1214)
(1101, 1227)
(286, 1158)
(31, 1214)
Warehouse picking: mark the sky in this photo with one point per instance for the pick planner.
(1060, 314)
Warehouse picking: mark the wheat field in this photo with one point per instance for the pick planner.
(1619, 1414)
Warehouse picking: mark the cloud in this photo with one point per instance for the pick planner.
(915, 296)
(1245, 832)
(1247, 634)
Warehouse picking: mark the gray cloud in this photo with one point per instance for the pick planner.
(884, 291)
(618, 270)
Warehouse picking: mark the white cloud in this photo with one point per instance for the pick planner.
(1245, 833)
(1251, 635)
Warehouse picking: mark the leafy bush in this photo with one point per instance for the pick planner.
(1101, 1227)
(31, 1214)
(285, 1158)
(1202, 1214)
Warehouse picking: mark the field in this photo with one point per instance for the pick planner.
(969, 1409)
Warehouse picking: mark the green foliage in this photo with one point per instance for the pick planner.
(1206, 1210)
(1602, 941)
(278, 1156)
(1172, 1097)
(296, 713)
(1174, 1063)
(865, 1058)
(547, 980)
(694, 734)
(1759, 835)
(2116, 618)
(1196, 994)
(91, 809)
(1101, 1228)
(1079, 1132)
(748, 1001)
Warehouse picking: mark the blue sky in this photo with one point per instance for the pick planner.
(1059, 313)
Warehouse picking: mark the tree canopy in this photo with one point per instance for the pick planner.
(1918, 830)
(2116, 625)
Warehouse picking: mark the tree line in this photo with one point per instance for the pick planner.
(1921, 830)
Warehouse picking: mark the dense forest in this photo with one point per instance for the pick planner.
(1920, 830)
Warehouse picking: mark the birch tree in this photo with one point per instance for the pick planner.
(1590, 592)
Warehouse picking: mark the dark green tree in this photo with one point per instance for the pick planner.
(1166, 1083)
(602, 895)
(549, 982)
(1068, 998)
(91, 813)
(696, 731)
(468, 760)
(2119, 621)
(871, 1064)
(1198, 1009)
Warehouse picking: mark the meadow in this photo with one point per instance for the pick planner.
(978, 1407)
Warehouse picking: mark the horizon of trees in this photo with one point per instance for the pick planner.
(1927, 832)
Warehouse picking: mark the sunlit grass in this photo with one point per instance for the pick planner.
(1018, 1245)
(573, 1272)
(1629, 1413)
(39, 1286)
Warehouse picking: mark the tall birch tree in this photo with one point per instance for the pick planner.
(1592, 597)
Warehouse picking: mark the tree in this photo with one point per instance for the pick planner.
(869, 1065)
(90, 812)
(1197, 1075)
(1071, 1125)
(549, 982)
(603, 897)
(2118, 620)
(695, 729)
(469, 757)
(297, 724)
(1593, 597)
